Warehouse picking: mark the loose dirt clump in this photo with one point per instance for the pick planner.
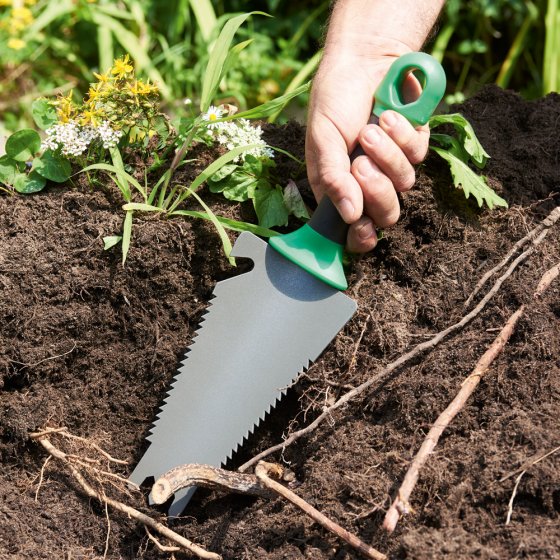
(91, 345)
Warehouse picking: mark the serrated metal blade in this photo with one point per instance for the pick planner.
(262, 328)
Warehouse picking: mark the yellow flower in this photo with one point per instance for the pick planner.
(5, 2)
(22, 14)
(16, 44)
(147, 88)
(94, 92)
(92, 116)
(65, 108)
(30, 2)
(102, 78)
(122, 67)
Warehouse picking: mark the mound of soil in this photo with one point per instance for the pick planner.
(91, 345)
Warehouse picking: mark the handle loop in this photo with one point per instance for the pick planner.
(388, 94)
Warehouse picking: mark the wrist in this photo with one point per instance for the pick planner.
(365, 28)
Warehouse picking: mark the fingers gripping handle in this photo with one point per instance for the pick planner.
(318, 246)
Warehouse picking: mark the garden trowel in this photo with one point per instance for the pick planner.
(264, 327)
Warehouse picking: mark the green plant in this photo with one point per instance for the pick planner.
(26, 169)
(459, 153)
(242, 173)
(551, 63)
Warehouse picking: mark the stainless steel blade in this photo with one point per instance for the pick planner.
(261, 329)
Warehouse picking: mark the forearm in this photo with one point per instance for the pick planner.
(366, 27)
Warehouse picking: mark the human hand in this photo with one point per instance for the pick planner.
(365, 190)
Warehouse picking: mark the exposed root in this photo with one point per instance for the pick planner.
(78, 468)
(263, 472)
(535, 236)
(259, 484)
(525, 468)
(400, 505)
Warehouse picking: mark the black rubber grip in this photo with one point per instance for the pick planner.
(326, 220)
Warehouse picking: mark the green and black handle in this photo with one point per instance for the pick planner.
(318, 246)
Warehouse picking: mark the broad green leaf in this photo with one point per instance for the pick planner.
(8, 170)
(110, 241)
(226, 243)
(44, 114)
(234, 225)
(142, 207)
(23, 144)
(29, 184)
(271, 107)
(127, 234)
(269, 206)
(214, 70)
(293, 201)
(224, 172)
(471, 183)
(53, 167)
(466, 134)
(238, 186)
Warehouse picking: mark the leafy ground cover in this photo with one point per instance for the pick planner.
(90, 344)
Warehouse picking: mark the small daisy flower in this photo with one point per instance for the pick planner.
(213, 114)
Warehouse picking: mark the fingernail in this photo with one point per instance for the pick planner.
(346, 209)
(366, 231)
(373, 135)
(390, 118)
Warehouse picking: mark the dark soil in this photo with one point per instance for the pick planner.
(92, 346)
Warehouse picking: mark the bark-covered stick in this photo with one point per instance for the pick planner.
(262, 471)
(400, 505)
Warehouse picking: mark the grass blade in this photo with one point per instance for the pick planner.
(226, 243)
(214, 70)
(551, 60)
(127, 234)
(228, 223)
(141, 207)
(271, 107)
(219, 163)
(297, 82)
(205, 17)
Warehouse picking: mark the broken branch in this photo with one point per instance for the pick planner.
(206, 476)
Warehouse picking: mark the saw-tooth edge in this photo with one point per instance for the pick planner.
(182, 363)
(263, 416)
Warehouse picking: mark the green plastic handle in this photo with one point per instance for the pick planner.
(388, 94)
(318, 246)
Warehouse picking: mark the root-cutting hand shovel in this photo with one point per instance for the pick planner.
(264, 327)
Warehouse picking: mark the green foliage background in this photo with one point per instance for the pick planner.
(513, 43)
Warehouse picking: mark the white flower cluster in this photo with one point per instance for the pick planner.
(74, 139)
(233, 134)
